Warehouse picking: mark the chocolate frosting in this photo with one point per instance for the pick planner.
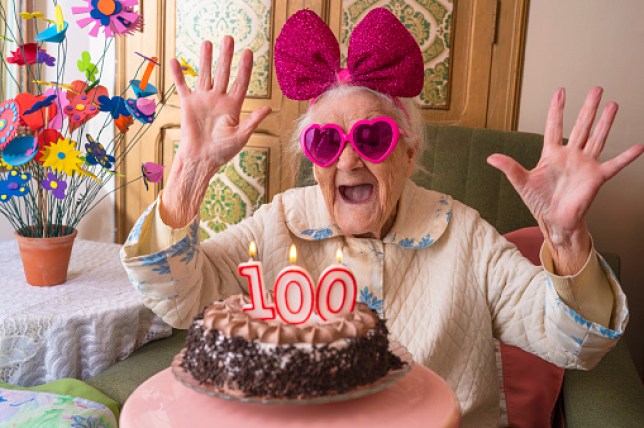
(228, 317)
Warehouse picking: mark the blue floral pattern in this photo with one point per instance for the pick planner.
(371, 300)
(318, 234)
(424, 242)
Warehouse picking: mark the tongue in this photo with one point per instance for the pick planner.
(359, 193)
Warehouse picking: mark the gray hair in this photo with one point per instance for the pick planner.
(408, 119)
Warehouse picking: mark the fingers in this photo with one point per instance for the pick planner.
(248, 126)
(597, 140)
(517, 175)
(179, 78)
(585, 119)
(553, 135)
(619, 162)
(205, 67)
(222, 74)
(240, 87)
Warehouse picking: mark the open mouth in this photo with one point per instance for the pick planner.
(357, 194)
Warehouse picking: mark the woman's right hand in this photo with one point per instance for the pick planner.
(211, 130)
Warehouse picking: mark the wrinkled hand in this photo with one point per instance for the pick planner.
(563, 185)
(211, 131)
(210, 114)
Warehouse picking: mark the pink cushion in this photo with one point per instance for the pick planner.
(531, 385)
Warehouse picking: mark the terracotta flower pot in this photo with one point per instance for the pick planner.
(45, 260)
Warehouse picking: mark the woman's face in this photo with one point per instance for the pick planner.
(361, 196)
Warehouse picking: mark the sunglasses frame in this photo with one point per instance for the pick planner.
(395, 134)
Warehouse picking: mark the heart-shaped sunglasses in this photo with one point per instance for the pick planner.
(372, 139)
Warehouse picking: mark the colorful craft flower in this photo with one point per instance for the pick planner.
(62, 156)
(54, 33)
(115, 106)
(56, 122)
(142, 109)
(116, 17)
(54, 185)
(152, 173)
(44, 58)
(46, 102)
(14, 185)
(29, 53)
(186, 68)
(5, 166)
(123, 122)
(9, 115)
(86, 66)
(96, 154)
(82, 105)
(45, 139)
(35, 120)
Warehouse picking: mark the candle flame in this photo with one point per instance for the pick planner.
(252, 249)
(292, 254)
(339, 256)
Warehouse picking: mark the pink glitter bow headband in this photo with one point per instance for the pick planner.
(382, 56)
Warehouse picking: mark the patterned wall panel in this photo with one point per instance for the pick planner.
(430, 22)
(248, 21)
(235, 192)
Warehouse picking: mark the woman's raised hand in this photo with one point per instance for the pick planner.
(211, 130)
(563, 185)
(210, 114)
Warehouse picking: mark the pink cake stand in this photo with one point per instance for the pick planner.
(420, 399)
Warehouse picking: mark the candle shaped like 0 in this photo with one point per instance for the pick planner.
(252, 271)
(293, 292)
(336, 290)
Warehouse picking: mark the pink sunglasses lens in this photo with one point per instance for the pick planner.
(322, 144)
(373, 140)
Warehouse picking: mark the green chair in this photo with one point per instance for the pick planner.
(610, 395)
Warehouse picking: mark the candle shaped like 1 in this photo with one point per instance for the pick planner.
(293, 292)
(252, 271)
(337, 290)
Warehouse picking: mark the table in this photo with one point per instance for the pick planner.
(420, 399)
(76, 329)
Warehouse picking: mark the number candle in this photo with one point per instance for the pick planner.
(336, 291)
(293, 292)
(252, 271)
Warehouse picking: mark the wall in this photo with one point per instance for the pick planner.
(577, 44)
(98, 225)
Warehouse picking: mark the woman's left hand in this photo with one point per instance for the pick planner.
(563, 185)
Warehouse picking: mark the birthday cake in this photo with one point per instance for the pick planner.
(233, 353)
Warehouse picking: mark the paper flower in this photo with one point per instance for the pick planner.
(44, 58)
(56, 122)
(116, 17)
(62, 156)
(45, 139)
(85, 66)
(38, 119)
(20, 150)
(123, 122)
(81, 106)
(54, 185)
(152, 172)
(115, 106)
(142, 109)
(54, 33)
(9, 115)
(14, 185)
(29, 53)
(96, 154)
(186, 68)
(38, 105)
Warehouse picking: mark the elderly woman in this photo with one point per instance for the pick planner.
(447, 283)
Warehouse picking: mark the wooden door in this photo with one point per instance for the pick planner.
(473, 51)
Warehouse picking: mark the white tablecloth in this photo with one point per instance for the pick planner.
(76, 329)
